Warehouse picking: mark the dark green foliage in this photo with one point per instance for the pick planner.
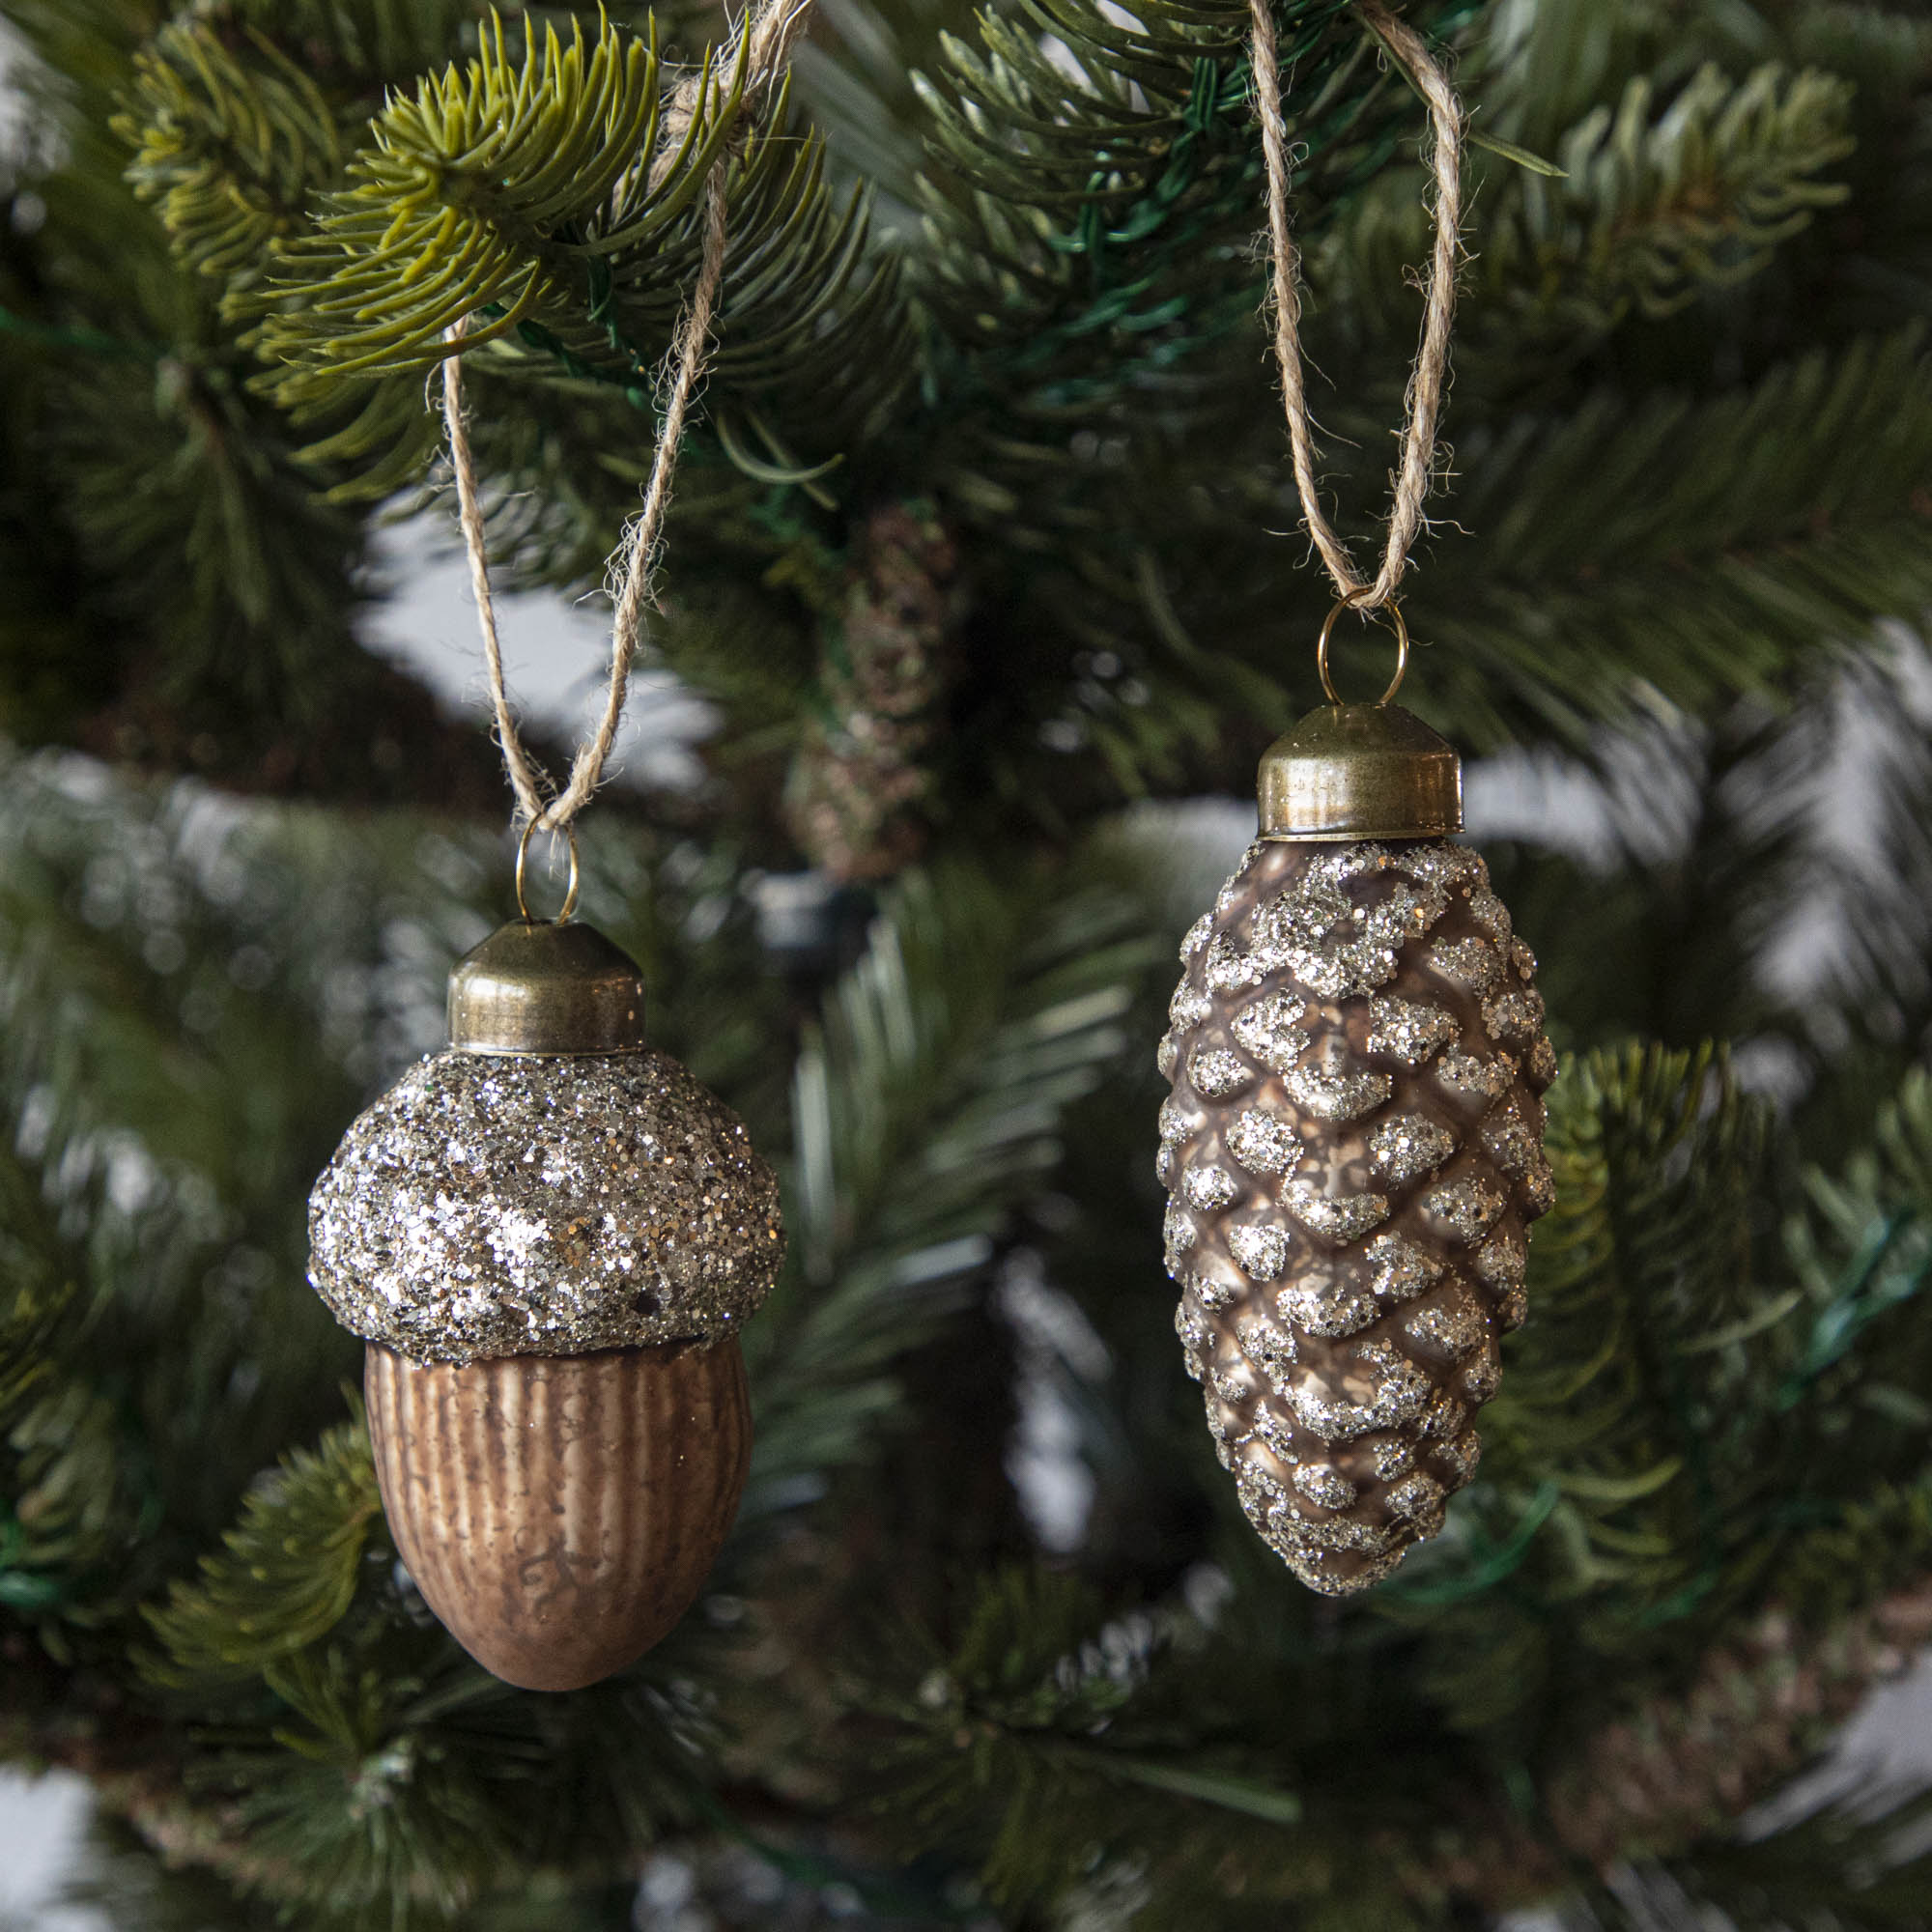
(996, 268)
(73, 1505)
(1131, 156)
(1663, 196)
(290, 1572)
(1703, 582)
(1625, 1438)
(1029, 1744)
(373, 41)
(925, 1108)
(1668, 1451)
(1852, 1862)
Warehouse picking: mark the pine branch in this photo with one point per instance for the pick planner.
(926, 1105)
(74, 1502)
(1821, 436)
(1676, 1448)
(1663, 1785)
(82, 44)
(371, 41)
(1618, 554)
(859, 83)
(1618, 559)
(1864, 1255)
(1088, 224)
(457, 203)
(1623, 1475)
(1657, 1342)
(1864, 1861)
(531, 194)
(1673, 194)
(165, 480)
(288, 1575)
(1698, 197)
(235, 140)
(967, 1761)
(228, 154)
(1022, 1745)
(1756, 880)
(1883, 1189)
(176, 595)
(1684, 1768)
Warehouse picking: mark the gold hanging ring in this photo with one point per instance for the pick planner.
(569, 905)
(1349, 602)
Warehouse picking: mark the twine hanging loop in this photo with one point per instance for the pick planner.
(769, 41)
(1430, 377)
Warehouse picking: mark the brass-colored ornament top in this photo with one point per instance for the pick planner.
(537, 987)
(1361, 771)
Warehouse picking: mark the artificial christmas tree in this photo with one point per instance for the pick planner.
(985, 553)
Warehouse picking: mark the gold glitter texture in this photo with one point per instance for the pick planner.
(496, 1205)
(1357, 1047)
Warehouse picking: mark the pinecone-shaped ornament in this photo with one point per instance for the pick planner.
(548, 1235)
(1353, 1145)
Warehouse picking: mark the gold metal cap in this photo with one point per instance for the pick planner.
(535, 987)
(1361, 771)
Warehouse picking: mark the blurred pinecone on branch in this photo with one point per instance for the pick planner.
(857, 777)
(984, 561)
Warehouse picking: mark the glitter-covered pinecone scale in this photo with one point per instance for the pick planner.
(1353, 1147)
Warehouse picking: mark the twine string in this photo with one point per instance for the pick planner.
(526, 780)
(767, 56)
(1428, 379)
(771, 34)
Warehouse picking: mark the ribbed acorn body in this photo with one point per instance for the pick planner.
(559, 1513)
(550, 1236)
(1354, 1150)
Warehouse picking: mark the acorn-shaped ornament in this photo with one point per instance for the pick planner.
(548, 1235)
(1353, 1145)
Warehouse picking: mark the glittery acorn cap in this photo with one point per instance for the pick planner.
(549, 1185)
